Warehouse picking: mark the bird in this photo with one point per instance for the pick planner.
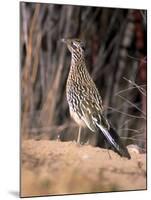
(84, 99)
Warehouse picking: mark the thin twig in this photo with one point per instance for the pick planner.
(129, 115)
(137, 86)
(132, 104)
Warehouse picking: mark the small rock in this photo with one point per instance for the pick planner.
(134, 148)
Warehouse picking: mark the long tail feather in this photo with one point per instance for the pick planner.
(114, 140)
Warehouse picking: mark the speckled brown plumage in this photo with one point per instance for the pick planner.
(85, 103)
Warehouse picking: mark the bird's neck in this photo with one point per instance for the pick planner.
(78, 70)
(77, 60)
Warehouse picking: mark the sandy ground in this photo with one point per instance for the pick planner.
(53, 167)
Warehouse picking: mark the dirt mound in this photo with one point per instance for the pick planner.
(53, 167)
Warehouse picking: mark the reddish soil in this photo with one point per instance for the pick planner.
(53, 167)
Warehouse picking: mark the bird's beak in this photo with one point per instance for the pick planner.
(64, 40)
(67, 42)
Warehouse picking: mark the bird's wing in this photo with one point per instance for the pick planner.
(95, 121)
(92, 113)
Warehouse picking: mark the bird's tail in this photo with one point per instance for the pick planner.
(114, 140)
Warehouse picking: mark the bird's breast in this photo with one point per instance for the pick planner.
(77, 119)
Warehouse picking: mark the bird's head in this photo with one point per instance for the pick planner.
(74, 45)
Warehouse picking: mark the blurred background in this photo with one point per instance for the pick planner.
(116, 55)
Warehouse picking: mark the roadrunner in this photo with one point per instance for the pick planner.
(85, 103)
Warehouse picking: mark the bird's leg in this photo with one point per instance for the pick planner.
(79, 135)
(109, 154)
(108, 150)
